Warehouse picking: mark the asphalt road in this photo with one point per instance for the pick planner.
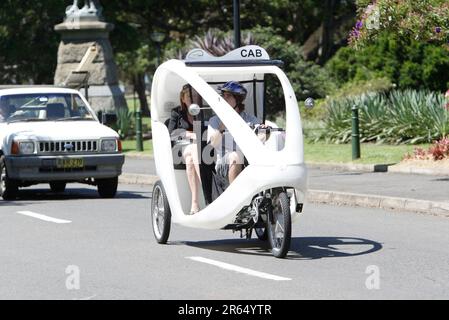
(104, 249)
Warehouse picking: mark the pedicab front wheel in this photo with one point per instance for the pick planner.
(160, 213)
(279, 226)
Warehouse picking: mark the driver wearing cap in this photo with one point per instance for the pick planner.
(229, 162)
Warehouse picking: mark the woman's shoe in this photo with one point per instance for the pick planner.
(193, 211)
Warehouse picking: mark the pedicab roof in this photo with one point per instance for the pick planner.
(245, 56)
(242, 64)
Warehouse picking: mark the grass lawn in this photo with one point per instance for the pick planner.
(129, 146)
(146, 121)
(323, 152)
(130, 102)
(370, 153)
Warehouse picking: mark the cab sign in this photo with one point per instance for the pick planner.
(251, 53)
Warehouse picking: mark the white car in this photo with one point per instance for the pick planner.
(51, 135)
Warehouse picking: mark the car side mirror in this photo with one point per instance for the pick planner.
(309, 103)
(108, 119)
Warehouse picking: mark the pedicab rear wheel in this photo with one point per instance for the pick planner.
(160, 213)
(279, 226)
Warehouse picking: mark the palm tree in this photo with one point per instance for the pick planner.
(215, 42)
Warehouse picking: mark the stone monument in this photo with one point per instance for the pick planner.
(83, 28)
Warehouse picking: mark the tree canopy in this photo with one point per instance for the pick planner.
(307, 34)
(28, 43)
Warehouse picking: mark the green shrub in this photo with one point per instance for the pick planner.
(413, 65)
(307, 78)
(125, 121)
(313, 120)
(355, 88)
(397, 117)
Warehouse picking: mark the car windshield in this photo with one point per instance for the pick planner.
(43, 107)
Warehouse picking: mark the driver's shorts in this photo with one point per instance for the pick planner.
(222, 167)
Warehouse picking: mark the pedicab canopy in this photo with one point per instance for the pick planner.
(249, 56)
(249, 65)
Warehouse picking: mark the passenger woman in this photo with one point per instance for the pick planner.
(181, 125)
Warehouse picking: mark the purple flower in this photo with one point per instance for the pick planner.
(359, 25)
(437, 29)
(355, 33)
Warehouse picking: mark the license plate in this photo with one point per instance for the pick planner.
(70, 163)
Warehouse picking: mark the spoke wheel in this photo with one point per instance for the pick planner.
(160, 213)
(279, 226)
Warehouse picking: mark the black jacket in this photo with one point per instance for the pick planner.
(179, 120)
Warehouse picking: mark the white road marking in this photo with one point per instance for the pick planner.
(42, 217)
(235, 268)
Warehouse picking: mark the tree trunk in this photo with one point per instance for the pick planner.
(313, 45)
(139, 85)
(327, 35)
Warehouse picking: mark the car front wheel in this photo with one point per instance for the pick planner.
(57, 186)
(8, 187)
(107, 188)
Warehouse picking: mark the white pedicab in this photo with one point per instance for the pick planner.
(268, 195)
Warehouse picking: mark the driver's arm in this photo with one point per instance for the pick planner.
(215, 131)
(263, 136)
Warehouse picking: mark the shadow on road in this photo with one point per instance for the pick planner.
(441, 179)
(38, 195)
(302, 248)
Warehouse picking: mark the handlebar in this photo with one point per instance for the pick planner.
(267, 130)
(258, 129)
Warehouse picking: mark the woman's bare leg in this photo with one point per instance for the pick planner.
(192, 177)
(196, 163)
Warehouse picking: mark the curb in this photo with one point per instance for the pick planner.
(136, 178)
(349, 166)
(433, 208)
(133, 155)
(418, 170)
(389, 167)
(427, 207)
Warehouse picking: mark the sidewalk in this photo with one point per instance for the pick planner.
(348, 185)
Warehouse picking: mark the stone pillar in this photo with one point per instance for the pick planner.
(81, 29)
